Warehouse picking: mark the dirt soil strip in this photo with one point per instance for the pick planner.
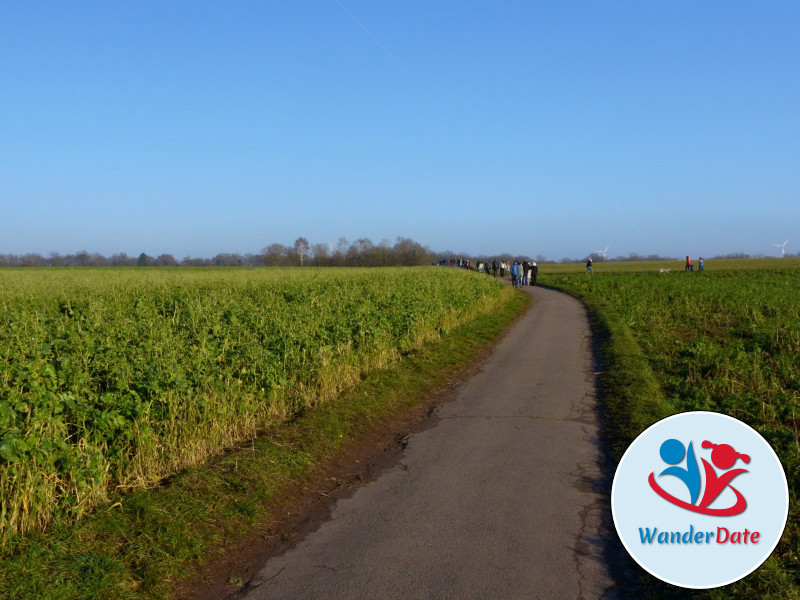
(504, 497)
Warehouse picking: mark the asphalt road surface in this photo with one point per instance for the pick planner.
(501, 499)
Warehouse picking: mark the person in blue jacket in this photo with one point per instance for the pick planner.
(515, 274)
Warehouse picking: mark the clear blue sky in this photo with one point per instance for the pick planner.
(550, 128)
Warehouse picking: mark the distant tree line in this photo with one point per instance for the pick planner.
(540, 259)
(360, 253)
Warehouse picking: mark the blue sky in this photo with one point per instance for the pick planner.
(550, 128)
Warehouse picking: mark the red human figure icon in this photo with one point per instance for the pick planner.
(724, 457)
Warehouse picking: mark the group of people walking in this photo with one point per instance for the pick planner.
(690, 265)
(526, 272)
(522, 273)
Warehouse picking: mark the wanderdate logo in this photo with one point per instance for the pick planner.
(723, 457)
(700, 500)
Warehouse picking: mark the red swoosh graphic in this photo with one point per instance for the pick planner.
(737, 508)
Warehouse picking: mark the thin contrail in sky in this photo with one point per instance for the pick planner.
(369, 33)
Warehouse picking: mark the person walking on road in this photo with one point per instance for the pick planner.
(515, 274)
(534, 273)
(526, 271)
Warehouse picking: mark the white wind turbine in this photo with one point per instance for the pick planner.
(782, 247)
(603, 252)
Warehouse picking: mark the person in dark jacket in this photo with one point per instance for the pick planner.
(526, 272)
(534, 273)
(494, 267)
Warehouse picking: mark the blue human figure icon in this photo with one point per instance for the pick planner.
(672, 452)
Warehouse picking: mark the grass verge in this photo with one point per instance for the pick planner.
(144, 544)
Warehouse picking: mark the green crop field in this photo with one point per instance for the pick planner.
(727, 340)
(112, 379)
(675, 266)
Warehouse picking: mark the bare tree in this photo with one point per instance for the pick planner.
(301, 248)
(122, 260)
(340, 254)
(98, 260)
(274, 254)
(321, 255)
(32, 260)
(361, 253)
(226, 259)
(56, 260)
(383, 252)
(166, 260)
(82, 259)
(254, 260)
(409, 252)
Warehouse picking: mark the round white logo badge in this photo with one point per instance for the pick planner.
(700, 500)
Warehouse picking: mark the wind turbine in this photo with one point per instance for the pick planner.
(603, 252)
(782, 247)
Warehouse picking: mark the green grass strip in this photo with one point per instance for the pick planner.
(634, 397)
(143, 544)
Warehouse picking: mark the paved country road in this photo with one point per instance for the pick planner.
(501, 499)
